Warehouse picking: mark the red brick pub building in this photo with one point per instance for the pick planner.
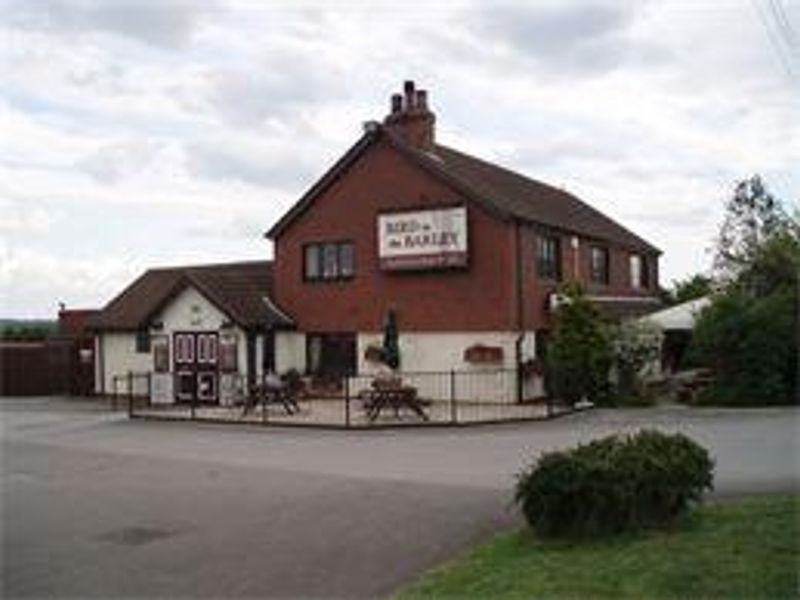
(467, 254)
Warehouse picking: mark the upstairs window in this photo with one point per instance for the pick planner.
(599, 264)
(548, 257)
(143, 341)
(639, 271)
(329, 261)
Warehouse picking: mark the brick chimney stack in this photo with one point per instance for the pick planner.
(410, 117)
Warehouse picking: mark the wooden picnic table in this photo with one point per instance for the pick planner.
(396, 398)
(264, 394)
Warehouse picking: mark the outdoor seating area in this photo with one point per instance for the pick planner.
(420, 399)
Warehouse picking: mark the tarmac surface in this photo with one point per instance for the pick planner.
(95, 505)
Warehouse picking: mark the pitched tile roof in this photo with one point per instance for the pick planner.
(534, 201)
(241, 290)
(503, 192)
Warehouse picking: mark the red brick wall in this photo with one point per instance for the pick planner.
(537, 290)
(480, 297)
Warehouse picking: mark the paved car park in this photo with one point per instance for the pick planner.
(97, 505)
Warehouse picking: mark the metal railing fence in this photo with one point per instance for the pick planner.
(354, 402)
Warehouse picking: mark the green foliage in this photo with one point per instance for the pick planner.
(25, 331)
(774, 265)
(742, 548)
(752, 216)
(751, 346)
(614, 484)
(636, 346)
(579, 353)
(748, 336)
(691, 288)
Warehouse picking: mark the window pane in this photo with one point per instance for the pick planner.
(143, 341)
(228, 356)
(548, 257)
(644, 278)
(312, 262)
(330, 261)
(161, 356)
(212, 348)
(346, 260)
(599, 265)
(636, 271)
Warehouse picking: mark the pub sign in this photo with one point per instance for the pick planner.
(426, 239)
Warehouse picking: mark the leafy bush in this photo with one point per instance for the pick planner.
(578, 354)
(614, 484)
(751, 346)
(636, 347)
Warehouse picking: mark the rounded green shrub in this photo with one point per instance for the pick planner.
(614, 484)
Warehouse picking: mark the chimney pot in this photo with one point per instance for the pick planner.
(411, 118)
(408, 88)
(422, 100)
(397, 103)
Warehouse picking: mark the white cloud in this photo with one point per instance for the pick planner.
(22, 222)
(165, 23)
(33, 281)
(140, 132)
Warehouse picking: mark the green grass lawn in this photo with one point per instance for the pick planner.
(746, 548)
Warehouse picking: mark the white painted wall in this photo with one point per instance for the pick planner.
(442, 351)
(427, 358)
(120, 358)
(189, 311)
(290, 351)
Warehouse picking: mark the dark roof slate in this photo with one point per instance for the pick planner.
(241, 290)
(534, 201)
(499, 190)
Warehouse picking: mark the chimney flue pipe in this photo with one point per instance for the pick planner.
(397, 103)
(422, 100)
(408, 88)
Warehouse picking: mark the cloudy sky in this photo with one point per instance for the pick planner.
(138, 133)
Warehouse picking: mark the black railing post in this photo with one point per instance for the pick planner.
(347, 401)
(264, 407)
(453, 413)
(114, 392)
(130, 394)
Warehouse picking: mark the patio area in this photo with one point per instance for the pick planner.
(405, 400)
(352, 413)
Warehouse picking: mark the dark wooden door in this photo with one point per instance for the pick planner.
(332, 353)
(196, 366)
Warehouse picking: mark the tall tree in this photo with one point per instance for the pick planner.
(749, 336)
(752, 215)
(693, 287)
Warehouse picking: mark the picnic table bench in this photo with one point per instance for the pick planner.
(281, 391)
(392, 394)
